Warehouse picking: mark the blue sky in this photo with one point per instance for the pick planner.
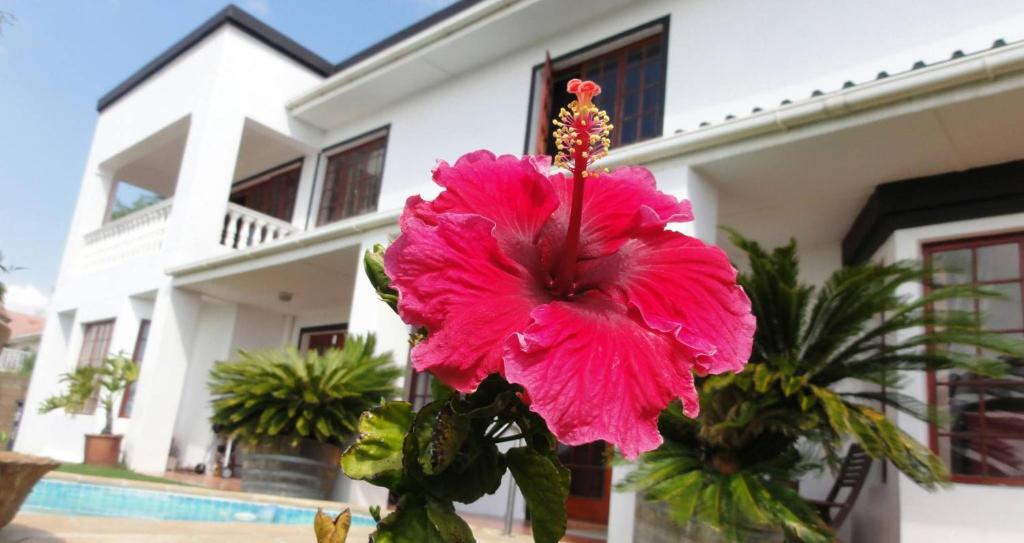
(59, 56)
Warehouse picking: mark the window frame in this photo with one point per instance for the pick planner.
(973, 242)
(302, 345)
(658, 27)
(95, 362)
(381, 134)
(92, 403)
(267, 176)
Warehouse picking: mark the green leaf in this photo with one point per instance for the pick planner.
(373, 262)
(423, 520)
(544, 483)
(450, 527)
(376, 455)
(440, 433)
(408, 523)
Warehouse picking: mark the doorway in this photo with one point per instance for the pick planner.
(591, 483)
(322, 338)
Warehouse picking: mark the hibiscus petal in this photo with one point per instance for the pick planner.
(512, 192)
(594, 371)
(616, 206)
(683, 287)
(454, 280)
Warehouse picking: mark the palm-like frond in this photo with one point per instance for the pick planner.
(859, 325)
(283, 393)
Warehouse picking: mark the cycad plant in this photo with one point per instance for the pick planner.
(106, 381)
(732, 469)
(282, 393)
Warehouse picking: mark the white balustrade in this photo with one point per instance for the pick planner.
(245, 228)
(11, 360)
(136, 234)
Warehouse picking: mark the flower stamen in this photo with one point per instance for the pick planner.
(581, 139)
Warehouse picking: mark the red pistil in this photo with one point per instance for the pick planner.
(582, 138)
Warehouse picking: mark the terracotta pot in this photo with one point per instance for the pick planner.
(19, 473)
(102, 450)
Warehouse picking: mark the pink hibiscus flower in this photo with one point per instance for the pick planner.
(568, 285)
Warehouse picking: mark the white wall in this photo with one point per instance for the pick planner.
(192, 434)
(725, 57)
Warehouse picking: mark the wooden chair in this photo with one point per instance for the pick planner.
(852, 475)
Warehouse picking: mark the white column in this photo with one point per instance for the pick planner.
(622, 509)
(303, 214)
(369, 314)
(196, 222)
(161, 379)
(685, 182)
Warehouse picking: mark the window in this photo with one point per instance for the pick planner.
(631, 72)
(984, 442)
(352, 181)
(272, 194)
(95, 347)
(95, 343)
(137, 354)
(322, 338)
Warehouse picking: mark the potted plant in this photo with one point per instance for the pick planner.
(295, 411)
(730, 474)
(105, 383)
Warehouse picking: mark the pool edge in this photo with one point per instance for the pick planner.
(208, 492)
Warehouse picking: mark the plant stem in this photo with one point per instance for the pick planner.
(509, 438)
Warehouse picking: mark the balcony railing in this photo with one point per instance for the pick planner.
(11, 360)
(244, 228)
(135, 234)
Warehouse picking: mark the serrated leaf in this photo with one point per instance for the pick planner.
(376, 455)
(417, 519)
(440, 433)
(544, 483)
(449, 526)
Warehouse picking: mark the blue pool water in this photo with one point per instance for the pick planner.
(70, 498)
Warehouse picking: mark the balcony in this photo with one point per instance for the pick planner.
(134, 235)
(245, 228)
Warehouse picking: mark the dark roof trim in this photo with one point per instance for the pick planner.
(232, 15)
(406, 32)
(979, 192)
(283, 44)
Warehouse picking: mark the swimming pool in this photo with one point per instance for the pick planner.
(72, 498)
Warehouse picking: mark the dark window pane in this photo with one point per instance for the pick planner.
(630, 106)
(648, 127)
(632, 88)
(274, 196)
(1004, 457)
(627, 132)
(352, 182)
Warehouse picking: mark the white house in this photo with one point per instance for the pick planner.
(865, 129)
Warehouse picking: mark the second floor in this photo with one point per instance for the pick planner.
(238, 136)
